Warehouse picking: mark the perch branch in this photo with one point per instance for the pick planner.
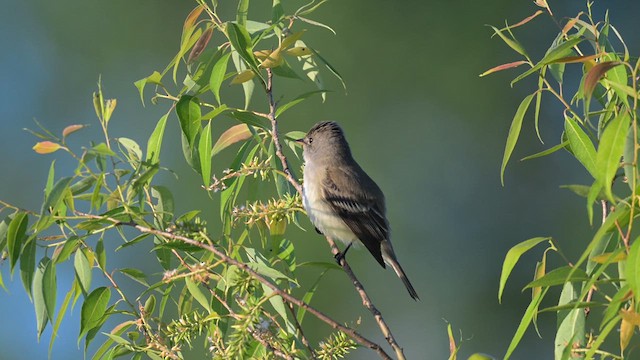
(366, 301)
(246, 268)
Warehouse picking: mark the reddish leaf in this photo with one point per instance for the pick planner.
(46, 147)
(200, 45)
(234, 134)
(71, 129)
(569, 25)
(192, 17)
(543, 4)
(527, 19)
(503, 67)
(595, 74)
(576, 59)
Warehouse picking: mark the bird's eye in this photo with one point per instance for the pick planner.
(310, 140)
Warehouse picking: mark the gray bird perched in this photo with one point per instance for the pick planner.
(342, 201)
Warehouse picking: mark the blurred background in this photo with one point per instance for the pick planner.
(419, 120)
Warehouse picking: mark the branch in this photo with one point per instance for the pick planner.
(233, 314)
(366, 301)
(224, 257)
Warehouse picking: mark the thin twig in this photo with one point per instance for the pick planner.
(366, 301)
(246, 268)
(233, 314)
(304, 339)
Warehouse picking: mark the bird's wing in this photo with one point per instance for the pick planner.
(363, 215)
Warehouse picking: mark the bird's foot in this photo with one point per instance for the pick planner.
(340, 256)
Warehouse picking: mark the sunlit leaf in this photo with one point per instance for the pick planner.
(571, 323)
(204, 150)
(504, 67)
(71, 129)
(559, 276)
(46, 147)
(154, 144)
(243, 77)
(632, 269)
(512, 257)
(514, 133)
(198, 295)
(231, 136)
(512, 43)
(546, 152)
(83, 271)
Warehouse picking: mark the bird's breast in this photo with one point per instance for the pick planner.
(319, 211)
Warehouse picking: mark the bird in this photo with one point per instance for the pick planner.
(342, 201)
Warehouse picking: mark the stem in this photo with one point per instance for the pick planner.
(366, 301)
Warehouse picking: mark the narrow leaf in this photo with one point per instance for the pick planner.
(204, 150)
(154, 144)
(610, 151)
(93, 309)
(514, 133)
(217, 75)
(16, 234)
(189, 113)
(581, 145)
(231, 136)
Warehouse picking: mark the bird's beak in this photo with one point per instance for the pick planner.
(300, 141)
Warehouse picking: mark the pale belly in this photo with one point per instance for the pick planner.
(322, 216)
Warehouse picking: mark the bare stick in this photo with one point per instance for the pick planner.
(366, 301)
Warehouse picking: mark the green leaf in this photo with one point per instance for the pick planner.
(83, 271)
(514, 133)
(82, 185)
(243, 12)
(512, 43)
(217, 76)
(329, 66)
(247, 86)
(135, 275)
(553, 54)
(70, 245)
(93, 310)
(61, 312)
(215, 112)
(547, 151)
(610, 151)
(559, 276)
(265, 270)
(308, 296)
(204, 150)
(28, 265)
(49, 288)
(155, 78)
(250, 119)
(50, 179)
(101, 255)
(571, 323)
(38, 296)
(197, 294)
(632, 269)
(55, 196)
(16, 234)
(241, 42)
(154, 144)
(581, 145)
(524, 322)
(512, 257)
(166, 204)
(189, 113)
(298, 100)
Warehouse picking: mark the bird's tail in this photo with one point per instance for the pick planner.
(390, 258)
